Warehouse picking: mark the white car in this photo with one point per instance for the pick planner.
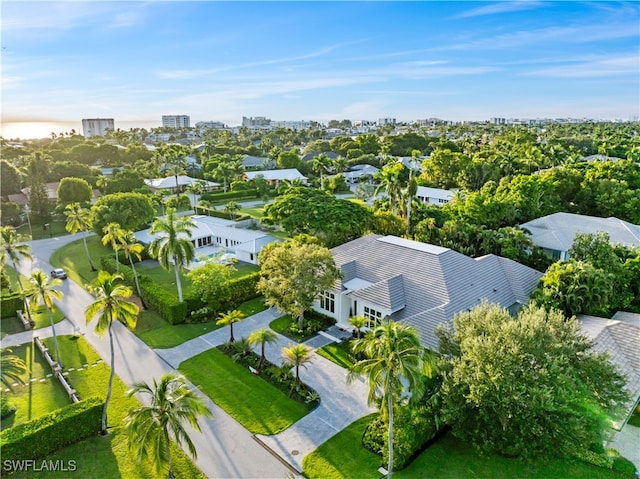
(59, 273)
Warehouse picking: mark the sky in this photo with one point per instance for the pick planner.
(220, 61)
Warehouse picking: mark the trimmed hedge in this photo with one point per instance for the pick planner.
(49, 433)
(230, 195)
(226, 216)
(241, 290)
(9, 304)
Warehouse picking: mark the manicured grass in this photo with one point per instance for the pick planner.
(39, 315)
(634, 420)
(337, 353)
(157, 333)
(313, 322)
(343, 456)
(73, 258)
(254, 403)
(101, 457)
(256, 212)
(57, 229)
(166, 279)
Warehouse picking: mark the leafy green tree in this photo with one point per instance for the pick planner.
(79, 219)
(227, 171)
(232, 208)
(132, 211)
(262, 336)
(530, 386)
(393, 358)
(110, 305)
(228, 319)
(42, 289)
(297, 355)
(114, 236)
(10, 178)
(294, 273)
(209, 283)
(74, 190)
(289, 159)
(172, 243)
(38, 194)
(11, 369)
(125, 181)
(149, 428)
(9, 213)
(16, 250)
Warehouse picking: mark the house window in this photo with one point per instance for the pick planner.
(373, 316)
(328, 301)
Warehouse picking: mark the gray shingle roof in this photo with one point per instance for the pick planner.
(434, 283)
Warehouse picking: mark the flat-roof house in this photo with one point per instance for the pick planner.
(214, 235)
(434, 196)
(555, 233)
(419, 284)
(275, 177)
(358, 173)
(620, 338)
(168, 183)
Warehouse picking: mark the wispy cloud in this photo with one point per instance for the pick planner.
(597, 67)
(500, 7)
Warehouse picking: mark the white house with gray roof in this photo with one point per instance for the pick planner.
(434, 196)
(275, 177)
(419, 284)
(555, 233)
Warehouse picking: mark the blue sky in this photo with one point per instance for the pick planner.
(135, 61)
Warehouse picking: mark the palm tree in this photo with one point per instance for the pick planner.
(389, 178)
(79, 219)
(15, 250)
(229, 318)
(131, 248)
(42, 288)
(172, 243)
(320, 164)
(358, 322)
(149, 428)
(11, 368)
(296, 355)
(231, 208)
(113, 235)
(262, 336)
(110, 306)
(5, 281)
(393, 355)
(409, 193)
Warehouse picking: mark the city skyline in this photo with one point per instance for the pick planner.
(220, 61)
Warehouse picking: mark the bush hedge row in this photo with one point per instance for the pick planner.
(227, 216)
(230, 195)
(235, 292)
(9, 304)
(51, 432)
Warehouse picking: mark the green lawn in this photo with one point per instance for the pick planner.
(39, 315)
(337, 353)
(166, 279)
(256, 212)
(57, 228)
(253, 402)
(157, 333)
(342, 456)
(100, 457)
(634, 420)
(73, 258)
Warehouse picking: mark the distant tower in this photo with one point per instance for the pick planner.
(176, 121)
(96, 126)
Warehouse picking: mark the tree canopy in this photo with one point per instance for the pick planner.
(526, 386)
(74, 190)
(132, 211)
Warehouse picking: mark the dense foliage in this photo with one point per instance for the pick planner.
(132, 211)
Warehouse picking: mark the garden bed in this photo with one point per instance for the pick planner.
(313, 323)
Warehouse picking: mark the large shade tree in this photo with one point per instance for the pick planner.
(15, 249)
(110, 305)
(527, 386)
(42, 289)
(294, 273)
(394, 366)
(172, 243)
(150, 428)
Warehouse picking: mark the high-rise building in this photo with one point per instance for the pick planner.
(258, 122)
(386, 121)
(176, 121)
(96, 126)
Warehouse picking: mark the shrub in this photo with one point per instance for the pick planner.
(180, 203)
(9, 304)
(49, 433)
(241, 290)
(6, 408)
(227, 216)
(229, 195)
(162, 301)
(624, 466)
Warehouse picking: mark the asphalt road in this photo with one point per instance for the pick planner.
(225, 448)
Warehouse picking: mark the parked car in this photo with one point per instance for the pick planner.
(59, 273)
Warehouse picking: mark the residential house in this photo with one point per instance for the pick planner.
(255, 162)
(168, 183)
(358, 173)
(211, 236)
(434, 196)
(555, 233)
(619, 337)
(419, 284)
(275, 177)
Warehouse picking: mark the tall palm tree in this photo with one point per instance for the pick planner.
(409, 193)
(132, 248)
(320, 164)
(229, 318)
(114, 236)
(110, 305)
(231, 208)
(149, 428)
(262, 336)
(16, 250)
(42, 289)
(393, 354)
(172, 243)
(79, 219)
(296, 355)
(390, 183)
(11, 368)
